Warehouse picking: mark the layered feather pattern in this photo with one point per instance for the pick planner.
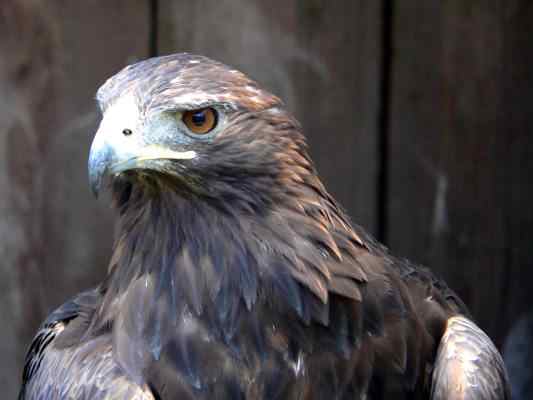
(235, 275)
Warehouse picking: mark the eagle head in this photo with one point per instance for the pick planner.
(194, 125)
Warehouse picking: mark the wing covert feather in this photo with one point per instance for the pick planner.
(468, 365)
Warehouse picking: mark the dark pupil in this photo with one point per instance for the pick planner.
(198, 118)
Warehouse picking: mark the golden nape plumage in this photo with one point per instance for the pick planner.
(235, 275)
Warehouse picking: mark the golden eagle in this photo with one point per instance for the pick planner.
(235, 274)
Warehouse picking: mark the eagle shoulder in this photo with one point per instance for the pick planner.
(60, 363)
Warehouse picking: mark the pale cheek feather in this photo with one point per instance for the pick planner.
(123, 114)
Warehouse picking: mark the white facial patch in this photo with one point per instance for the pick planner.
(122, 114)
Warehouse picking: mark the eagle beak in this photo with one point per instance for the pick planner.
(111, 155)
(101, 156)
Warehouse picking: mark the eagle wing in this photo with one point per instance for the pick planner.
(468, 366)
(48, 331)
(56, 358)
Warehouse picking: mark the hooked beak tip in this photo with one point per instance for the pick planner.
(99, 159)
(95, 188)
(95, 181)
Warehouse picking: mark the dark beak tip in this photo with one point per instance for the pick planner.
(98, 164)
(95, 189)
(95, 182)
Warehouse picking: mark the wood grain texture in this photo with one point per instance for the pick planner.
(55, 238)
(322, 58)
(461, 150)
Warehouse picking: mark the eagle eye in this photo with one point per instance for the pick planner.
(200, 121)
(127, 132)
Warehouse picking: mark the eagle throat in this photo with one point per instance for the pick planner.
(229, 260)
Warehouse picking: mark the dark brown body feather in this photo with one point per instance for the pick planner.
(243, 278)
(211, 306)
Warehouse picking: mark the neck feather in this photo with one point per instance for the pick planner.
(179, 257)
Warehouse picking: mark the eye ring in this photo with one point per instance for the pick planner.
(201, 121)
(127, 132)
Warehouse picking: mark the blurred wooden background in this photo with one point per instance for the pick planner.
(418, 114)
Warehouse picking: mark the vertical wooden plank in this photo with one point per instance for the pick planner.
(460, 149)
(517, 192)
(54, 237)
(321, 57)
(24, 76)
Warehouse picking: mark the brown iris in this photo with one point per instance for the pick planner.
(200, 121)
